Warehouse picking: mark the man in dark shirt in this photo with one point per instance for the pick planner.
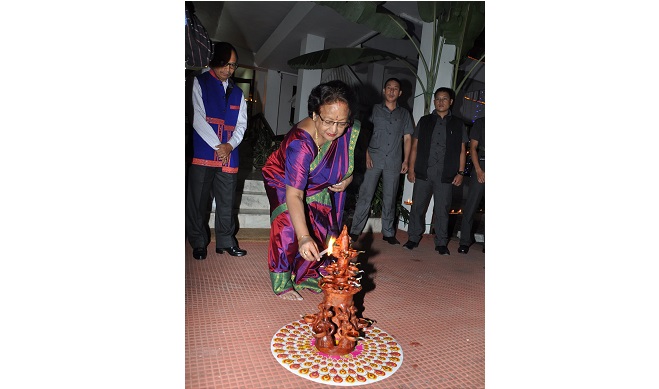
(438, 158)
(476, 182)
(387, 156)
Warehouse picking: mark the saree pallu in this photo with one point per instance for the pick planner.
(299, 163)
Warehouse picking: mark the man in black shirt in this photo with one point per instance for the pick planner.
(438, 157)
(476, 182)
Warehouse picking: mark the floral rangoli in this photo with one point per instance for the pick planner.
(375, 358)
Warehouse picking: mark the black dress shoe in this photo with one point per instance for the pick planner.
(390, 239)
(463, 249)
(199, 253)
(442, 250)
(234, 251)
(410, 245)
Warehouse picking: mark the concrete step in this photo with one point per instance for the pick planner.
(253, 196)
(248, 218)
(254, 209)
(250, 201)
(254, 186)
(254, 218)
(253, 200)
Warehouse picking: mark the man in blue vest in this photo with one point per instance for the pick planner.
(220, 120)
(438, 158)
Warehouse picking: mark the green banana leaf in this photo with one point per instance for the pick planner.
(368, 13)
(353, 10)
(429, 11)
(467, 21)
(459, 23)
(332, 58)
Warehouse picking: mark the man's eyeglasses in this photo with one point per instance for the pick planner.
(330, 123)
(232, 65)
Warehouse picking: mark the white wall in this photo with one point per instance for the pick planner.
(286, 101)
(260, 85)
(271, 101)
(307, 79)
(278, 101)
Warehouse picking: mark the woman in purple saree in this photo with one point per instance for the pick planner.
(305, 180)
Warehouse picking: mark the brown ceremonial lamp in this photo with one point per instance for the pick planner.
(336, 327)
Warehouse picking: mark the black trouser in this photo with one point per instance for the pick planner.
(442, 195)
(474, 197)
(204, 183)
(367, 190)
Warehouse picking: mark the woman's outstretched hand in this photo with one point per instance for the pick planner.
(308, 249)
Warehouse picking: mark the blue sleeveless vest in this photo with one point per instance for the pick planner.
(222, 111)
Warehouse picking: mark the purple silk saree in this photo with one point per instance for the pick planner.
(298, 163)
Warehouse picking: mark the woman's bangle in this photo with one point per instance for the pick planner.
(299, 238)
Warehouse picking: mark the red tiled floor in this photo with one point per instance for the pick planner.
(432, 305)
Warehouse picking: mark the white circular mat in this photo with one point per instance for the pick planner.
(374, 359)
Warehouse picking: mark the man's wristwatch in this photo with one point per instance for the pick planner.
(461, 172)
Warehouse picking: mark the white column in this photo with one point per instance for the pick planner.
(286, 101)
(376, 76)
(445, 73)
(271, 103)
(307, 78)
(444, 78)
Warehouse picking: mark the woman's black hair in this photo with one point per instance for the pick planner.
(222, 54)
(329, 93)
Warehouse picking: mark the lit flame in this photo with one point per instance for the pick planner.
(330, 247)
